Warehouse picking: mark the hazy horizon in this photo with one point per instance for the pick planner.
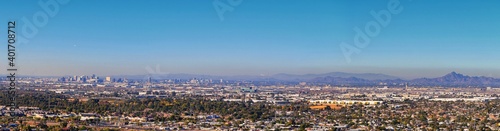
(422, 39)
(262, 75)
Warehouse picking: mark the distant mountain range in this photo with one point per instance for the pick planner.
(456, 79)
(367, 76)
(452, 79)
(277, 77)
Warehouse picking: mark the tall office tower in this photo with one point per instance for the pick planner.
(108, 79)
(84, 79)
(62, 79)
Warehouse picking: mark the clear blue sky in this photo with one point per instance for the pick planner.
(114, 37)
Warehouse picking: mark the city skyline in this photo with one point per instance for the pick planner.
(257, 38)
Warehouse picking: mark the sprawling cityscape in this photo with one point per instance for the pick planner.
(108, 103)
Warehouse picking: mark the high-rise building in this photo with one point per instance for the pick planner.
(62, 79)
(108, 79)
